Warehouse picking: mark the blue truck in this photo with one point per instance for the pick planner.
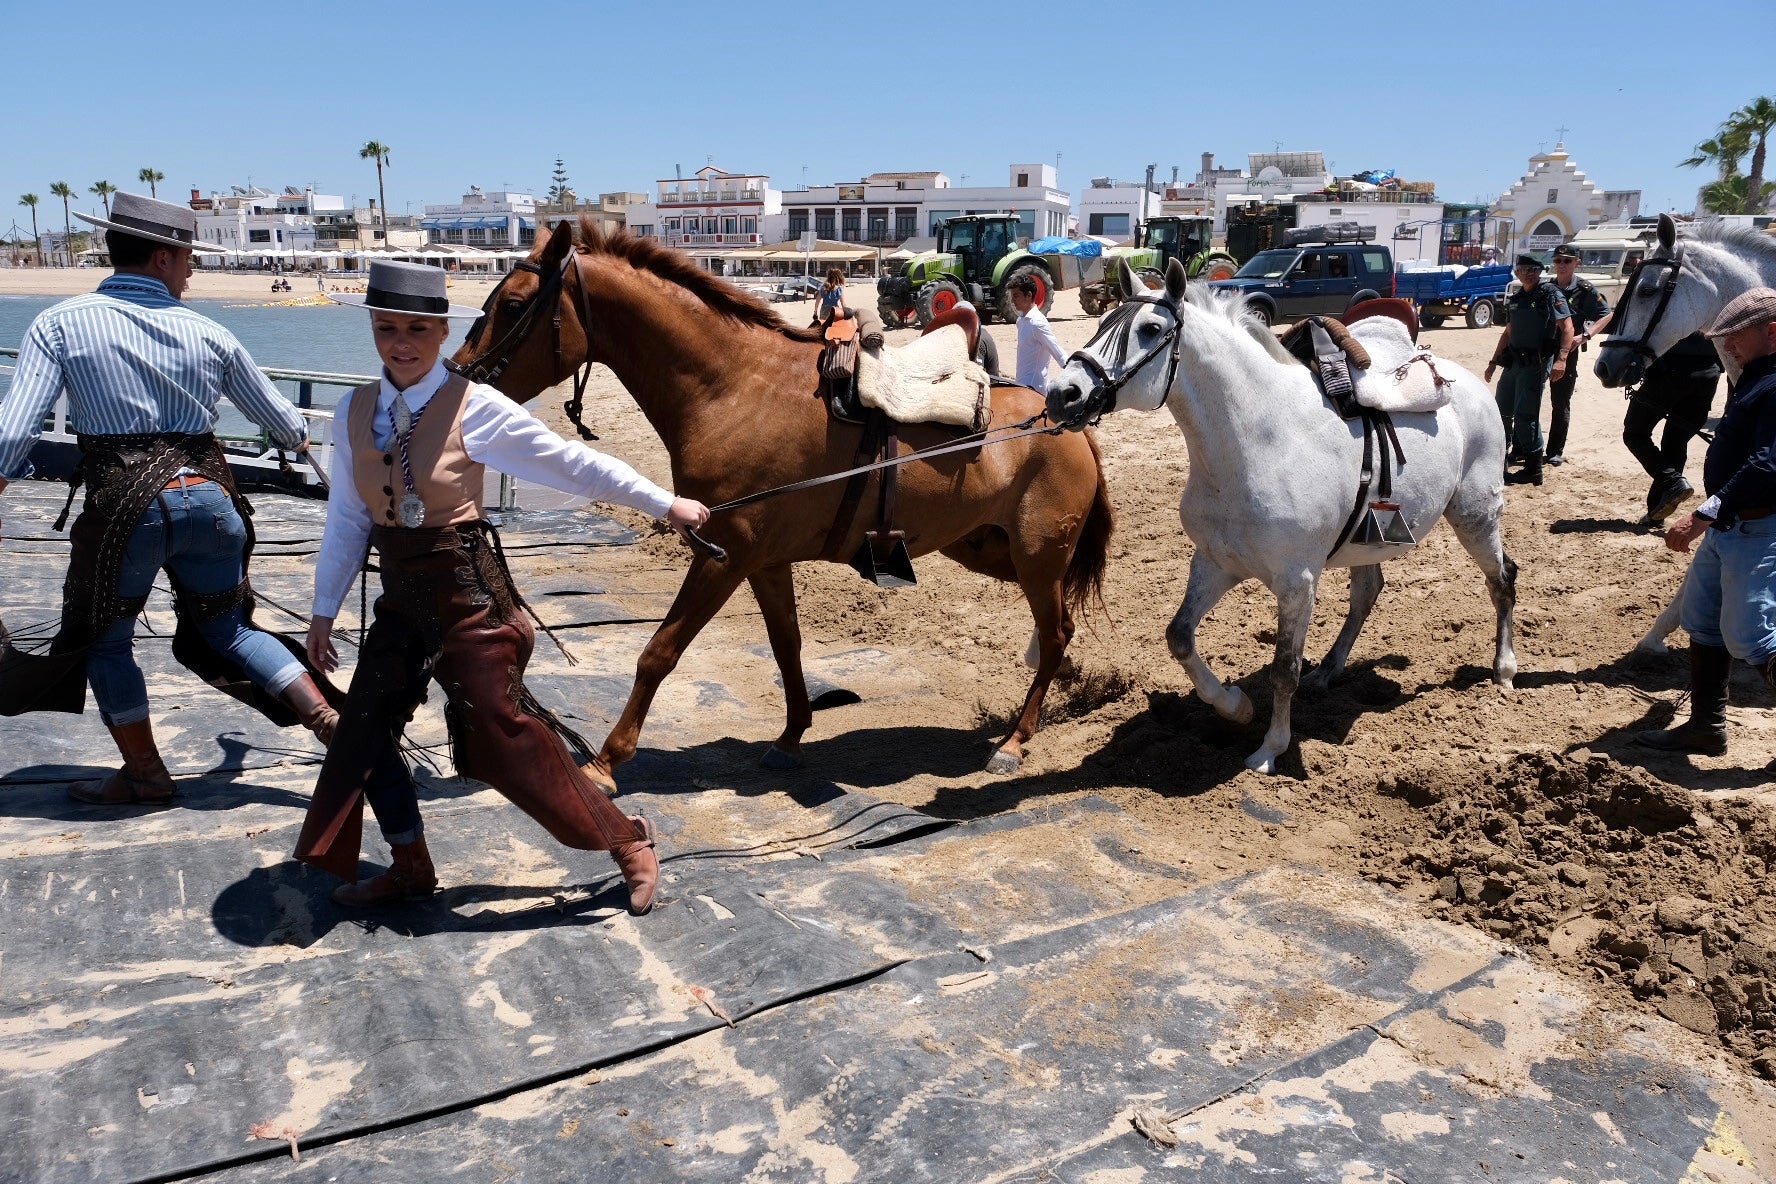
(1476, 294)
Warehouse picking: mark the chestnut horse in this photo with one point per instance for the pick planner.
(732, 391)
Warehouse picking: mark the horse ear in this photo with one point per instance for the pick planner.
(1667, 232)
(1125, 277)
(560, 239)
(1176, 279)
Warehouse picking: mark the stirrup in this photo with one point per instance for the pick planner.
(884, 561)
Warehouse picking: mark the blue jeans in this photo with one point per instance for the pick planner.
(1520, 404)
(1730, 593)
(201, 539)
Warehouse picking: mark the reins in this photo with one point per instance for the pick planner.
(1642, 345)
(1122, 324)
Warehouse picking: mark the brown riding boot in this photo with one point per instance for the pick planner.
(143, 778)
(640, 867)
(311, 707)
(410, 877)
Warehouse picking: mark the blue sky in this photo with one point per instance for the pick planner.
(490, 94)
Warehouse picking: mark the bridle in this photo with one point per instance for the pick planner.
(1120, 324)
(489, 366)
(1642, 346)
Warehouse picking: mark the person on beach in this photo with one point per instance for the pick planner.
(143, 374)
(1591, 315)
(831, 301)
(1729, 595)
(1037, 344)
(409, 464)
(1533, 350)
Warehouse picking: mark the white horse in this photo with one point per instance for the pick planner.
(1680, 289)
(1274, 472)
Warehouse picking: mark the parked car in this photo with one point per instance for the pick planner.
(1288, 283)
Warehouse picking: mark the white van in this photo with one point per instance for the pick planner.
(1608, 255)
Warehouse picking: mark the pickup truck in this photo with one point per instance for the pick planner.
(1475, 293)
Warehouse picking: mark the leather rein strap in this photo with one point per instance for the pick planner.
(1120, 321)
(1642, 345)
(489, 366)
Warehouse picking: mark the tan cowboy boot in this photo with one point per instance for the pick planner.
(640, 867)
(143, 778)
(410, 877)
(311, 707)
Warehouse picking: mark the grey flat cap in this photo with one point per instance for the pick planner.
(154, 220)
(1754, 307)
(411, 288)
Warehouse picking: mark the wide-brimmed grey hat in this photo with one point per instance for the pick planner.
(1757, 306)
(411, 288)
(154, 220)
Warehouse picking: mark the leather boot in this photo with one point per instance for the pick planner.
(640, 867)
(1706, 729)
(311, 707)
(410, 877)
(1529, 474)
(143, 778)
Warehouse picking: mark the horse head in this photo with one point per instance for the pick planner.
(1666, 299)
(530, 335)
(1131, 360)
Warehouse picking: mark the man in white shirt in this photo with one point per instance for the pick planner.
(1036, 341)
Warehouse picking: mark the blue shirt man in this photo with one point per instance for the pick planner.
(143, 375)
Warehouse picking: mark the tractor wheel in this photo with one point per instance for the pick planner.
(1089, 304)
(1480, 314)
(1217, 267)
(1045, 293)
(1153, 277)
(935, 298)
(893, 313)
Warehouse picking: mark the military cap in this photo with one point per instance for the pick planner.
(1566, 251)
(1525, 259)
(1754, 307)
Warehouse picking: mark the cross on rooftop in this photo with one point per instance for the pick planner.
(1561, 133)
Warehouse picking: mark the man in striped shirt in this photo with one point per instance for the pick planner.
(143, 374)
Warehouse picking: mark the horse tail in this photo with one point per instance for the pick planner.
(1084, 581)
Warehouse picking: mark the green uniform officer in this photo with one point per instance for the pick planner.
(1532, 349)
(1591, 316)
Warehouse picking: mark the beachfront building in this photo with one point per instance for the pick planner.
(359, 229)
(1115, 209)
(708, 215)
(608, 213)
(501, 221)
(1551, 202)
(886, 209)
(257, 227)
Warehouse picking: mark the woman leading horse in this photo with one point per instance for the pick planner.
(732, 392)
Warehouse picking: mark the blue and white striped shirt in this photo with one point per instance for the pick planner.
(134, 361)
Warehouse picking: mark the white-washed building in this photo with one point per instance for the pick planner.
(708, 214)
(506, 221)
(258, 227)
(1115, 209)
(1270, 177)
(1551, 202)
(885, 209)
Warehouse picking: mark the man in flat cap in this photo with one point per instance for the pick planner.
(1534, 348)
(1729, 600)
(143, 374)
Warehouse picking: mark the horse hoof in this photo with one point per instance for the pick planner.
(1003, 762)
(1263, 762)
(1242, 710)
(1318, 680)
(605, 784)
(777, 760)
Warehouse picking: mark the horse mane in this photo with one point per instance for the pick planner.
(1236, 312)
(675, 267)
(1744, 240)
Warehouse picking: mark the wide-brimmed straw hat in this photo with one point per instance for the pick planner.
(413, 289)
(154, 220)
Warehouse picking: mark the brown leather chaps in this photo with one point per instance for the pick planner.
(448, 612)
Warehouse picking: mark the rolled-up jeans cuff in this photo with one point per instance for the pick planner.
(126, 717)
(278, 683)
(403, 837)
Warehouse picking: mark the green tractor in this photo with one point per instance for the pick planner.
(1157, 243)
(977, 256)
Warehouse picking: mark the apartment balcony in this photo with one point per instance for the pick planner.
(715, 240)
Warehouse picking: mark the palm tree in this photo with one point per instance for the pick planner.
(104, 189)
(65, 191)
(1754, 122)
(152, 177)
(1723, 151)
(1732, 195)
(31, 200)
(380, 154)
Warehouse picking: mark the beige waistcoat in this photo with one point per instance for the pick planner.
(445, 478)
